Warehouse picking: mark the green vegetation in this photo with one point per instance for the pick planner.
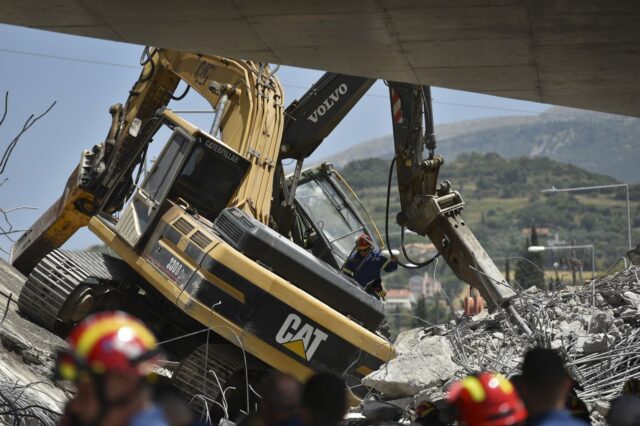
(601, 143)
(503, 201)
(529, 270)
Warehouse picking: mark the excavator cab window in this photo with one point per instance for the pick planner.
(209, 178)
(161, 175)
(328, 215)
(193, 167)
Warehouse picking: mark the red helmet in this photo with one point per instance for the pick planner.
(109, 342)
(486, 399)
(364, 241)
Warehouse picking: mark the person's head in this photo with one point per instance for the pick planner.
(364, 244)
(545, 381)
(624, 411)
(281, 398)
(324, 400)
(631, 386)
(109, 357)
(486, 399)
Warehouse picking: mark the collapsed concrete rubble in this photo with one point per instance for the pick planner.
(596, 328)
(28, 393)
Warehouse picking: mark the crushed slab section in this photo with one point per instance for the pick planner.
(428, 363)
(596, 328)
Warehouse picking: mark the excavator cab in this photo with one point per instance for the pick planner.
(329, 216)
(194, 169)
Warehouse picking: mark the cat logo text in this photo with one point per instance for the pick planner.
(301, 339)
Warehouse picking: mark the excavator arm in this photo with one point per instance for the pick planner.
(308, 121)
(247, 100)
(433, 209)
(427, 207)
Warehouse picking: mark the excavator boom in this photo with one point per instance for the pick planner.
(247, 100)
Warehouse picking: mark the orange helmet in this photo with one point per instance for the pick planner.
(109, 342)
(486, 399)
(363, 241)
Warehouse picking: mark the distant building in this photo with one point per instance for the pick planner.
(415, 285)
(420, 252)
(399, 298)
(542, 232)
(556, 241)
(423, 285)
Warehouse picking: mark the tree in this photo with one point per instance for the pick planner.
(419, 311)
(588, 222)
(7, 230)
(529, 270)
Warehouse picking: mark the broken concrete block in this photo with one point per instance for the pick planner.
(13, 342)
(559, 312)
(407, 340)
(571, 329)
(631, 298)
(498, 335)
(428, 364)
(613, 298)
(602, 321)
(628, 314)
(31, 357)
(556, 344)
(595, 343)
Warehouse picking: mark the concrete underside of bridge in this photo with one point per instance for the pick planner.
(578, 53)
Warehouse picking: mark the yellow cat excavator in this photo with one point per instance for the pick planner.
(235, 266)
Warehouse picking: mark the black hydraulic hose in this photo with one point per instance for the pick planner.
(413, 265)
(143, 158)
(406, 255)
(181, 97)
(428, 112)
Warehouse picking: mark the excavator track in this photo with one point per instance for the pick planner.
(53, 285)
(203, 374)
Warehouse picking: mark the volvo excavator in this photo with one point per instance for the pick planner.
(235, 266)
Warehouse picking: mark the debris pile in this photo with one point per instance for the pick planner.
(28, 393)
(595, 327)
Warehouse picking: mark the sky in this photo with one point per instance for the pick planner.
(85, 76)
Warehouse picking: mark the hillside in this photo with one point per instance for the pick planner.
(602, 143)
(503, 199)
